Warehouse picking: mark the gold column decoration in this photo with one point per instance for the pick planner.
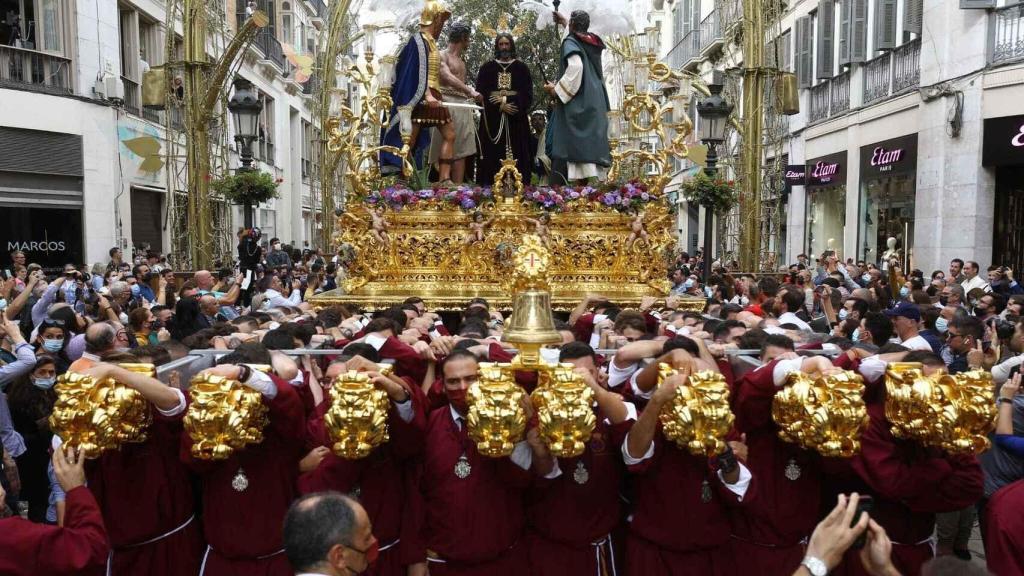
(99, 415)
(357, 419)
(223, 416)
(205, 85)
(699, 417)
(752, 150)
(951, 412)
(825, 413)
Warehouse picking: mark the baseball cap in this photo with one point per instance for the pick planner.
(906, 310)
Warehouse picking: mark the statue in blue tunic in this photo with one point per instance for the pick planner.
(417, 82)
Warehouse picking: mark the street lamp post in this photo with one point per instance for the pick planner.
(714, 113)
(245, 107)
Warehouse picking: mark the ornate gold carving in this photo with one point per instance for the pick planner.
(698, 418)
(496, 420)
(224, 416)
(955, 413)
(357, 419)
(565, 419)
(822, 413)
(98, 415)
(508, 181)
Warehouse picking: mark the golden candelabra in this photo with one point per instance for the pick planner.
(698, 418)
(825, 413)
(98, 415)
(952, 412)
(357, 419)
(223, 416)
(562, 399)
(349, 131)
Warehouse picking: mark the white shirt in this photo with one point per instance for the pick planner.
(917, 343)
(273, 299)
(790, 318)
(976, 282)
(1001, 372)
(739, 488)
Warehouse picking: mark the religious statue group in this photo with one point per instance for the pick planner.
(459, 126)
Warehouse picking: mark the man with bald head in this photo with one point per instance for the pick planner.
(205, 282)
(100, 339)
(329, 534)
(208, 309)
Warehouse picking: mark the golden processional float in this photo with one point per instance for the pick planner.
(448, 245)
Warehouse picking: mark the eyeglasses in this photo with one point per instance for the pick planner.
(951, 335)
(51, 322)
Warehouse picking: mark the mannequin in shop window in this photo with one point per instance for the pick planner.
(891, 253)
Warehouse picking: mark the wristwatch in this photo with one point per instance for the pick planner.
(815, 566)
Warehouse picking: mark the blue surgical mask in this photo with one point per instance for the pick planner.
(688, 284)
(856, 335)
(941, 324)
(709, 291)
(54, 345)
(866, 278)
(3, 303)
(904, 292)
(843, 313)
(44, 383)
(135, 289)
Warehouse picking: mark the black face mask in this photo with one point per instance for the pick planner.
(943, 300)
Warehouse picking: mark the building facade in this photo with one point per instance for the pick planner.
(909, 127)
(84, 165)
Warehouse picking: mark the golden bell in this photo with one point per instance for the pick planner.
(357, 419)
(698, 418)
(531, 326)
(496, 420)
(223, 416)
(565, 419)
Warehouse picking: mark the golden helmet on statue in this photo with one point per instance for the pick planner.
(98, 415)
(432, 10)
(565, 417)
(223, 416)
(698, 418)
(357, 420)
(496, 419)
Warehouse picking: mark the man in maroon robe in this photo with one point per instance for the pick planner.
(246, 496)
(471, 505)
(77, 547)
(379, 480)
(680, 523)
(1004, 546)
(571, 513)
(909, 482)
(145, 491)
(411, 361)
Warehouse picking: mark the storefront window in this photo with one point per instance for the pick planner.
(887, 195)
(826, 219)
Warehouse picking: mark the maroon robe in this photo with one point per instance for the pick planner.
(1004, 537)
(768, 531)
(475, 523)
(378, 481)
(673, 532)
(407, 360)
(567, 518)
(80, 546)
(584, 327)
(910, 484)
(243, 528)
(145, 493)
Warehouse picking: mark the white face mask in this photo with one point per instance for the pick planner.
(550, 355)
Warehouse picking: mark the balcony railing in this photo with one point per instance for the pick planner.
(1006, 33)
(131, 96)
(840, 88)
(820, 96)
(906, 66)
(893, 72)
(265, 43)
(710, 30)
(685, 51)
(153, 115)
(877, 77)
(321, 8)
(32, 70)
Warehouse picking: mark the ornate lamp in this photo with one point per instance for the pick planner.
(245, 107)
(369, 41)
(714, 114)
(386, 76)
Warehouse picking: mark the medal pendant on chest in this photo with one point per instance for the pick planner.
(462, 467)
(792, 470)
(240, 482)
(580, 475)
(705, 492)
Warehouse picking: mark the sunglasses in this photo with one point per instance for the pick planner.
(49, 322)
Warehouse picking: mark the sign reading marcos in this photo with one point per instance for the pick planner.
(50, 237)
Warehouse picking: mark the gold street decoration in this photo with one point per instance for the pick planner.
(357, 419)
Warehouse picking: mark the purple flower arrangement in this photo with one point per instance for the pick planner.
(623, 197)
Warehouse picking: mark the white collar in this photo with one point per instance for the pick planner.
(92, 357)
(456, 417)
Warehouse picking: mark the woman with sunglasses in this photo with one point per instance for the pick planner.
(51, 341)
(30, 399)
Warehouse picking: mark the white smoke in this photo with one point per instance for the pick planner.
(606, 18)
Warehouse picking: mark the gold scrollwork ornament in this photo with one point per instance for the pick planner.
(357, 418)
(698, 418)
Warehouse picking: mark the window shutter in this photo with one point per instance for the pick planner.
(695, 15)
(859, 31)
(803, 51)
(686, 17)
(787, 54)
(913, 13)
(826, 33)
(977, 4)
(845, 14)
(885, 24)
